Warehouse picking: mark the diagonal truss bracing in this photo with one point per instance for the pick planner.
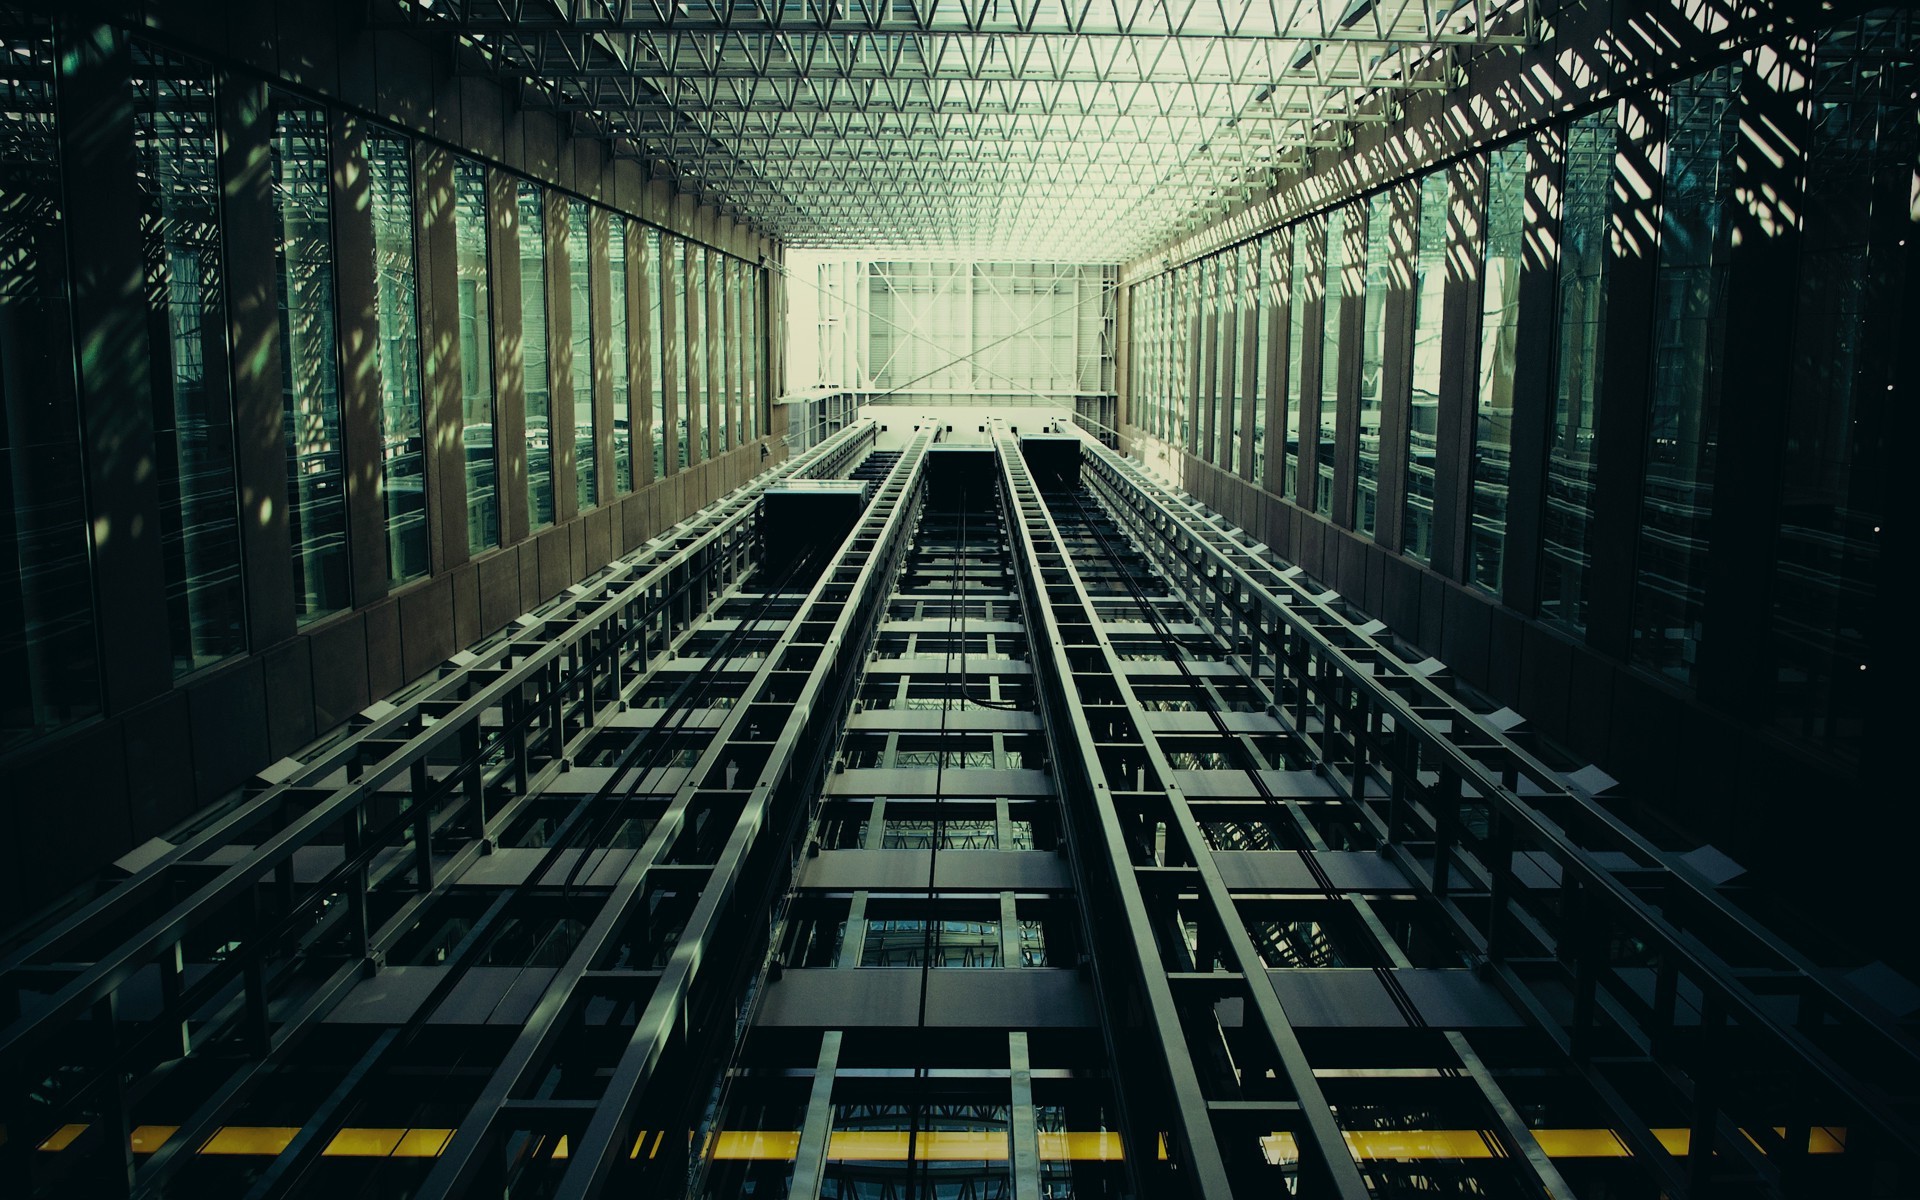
(1071, 131)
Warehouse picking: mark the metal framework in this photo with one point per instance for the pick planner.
(1084, 133)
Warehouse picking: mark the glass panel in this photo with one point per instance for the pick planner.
(49, 668)
(1264, 283)
(1373, 354)
(586, 456)
(719, 306)
(696, 342)
(309, 371)
(192, 413)
(1689, 331)
(1232, 339)
(1333, 278)
(1183, 313)
(1296, 347)
(656, 349)
(1423, 408)
(476, 353)
(1849, 326)
(1499, 333)
(402, 412)
(617, 350)
(736, 383)
(533, 332)
(1567, 524)
(750, 330)
(676, 257)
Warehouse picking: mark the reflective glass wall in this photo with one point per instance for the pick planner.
(177, 158)
(403, 479)
(586, 456)
(533, 341)
(49, 666)
(1429, 287)
(1504, 223)
(309, 368)
(475, 299)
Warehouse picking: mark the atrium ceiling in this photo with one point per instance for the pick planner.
(1091, 130)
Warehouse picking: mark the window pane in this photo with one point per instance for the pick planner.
(533, 333)
(1567, 524)
(1296, 346)
(586, 459)
(676, 259)
(49, 669)
(1689, 330)
(656, 348)
(403, 449)
(718, 306)
(476, 353)
(696, 341)
(309, 372)
(1423, 408)
(1232, 263)
(1373, 352)
(617, 350)
(1268, 279)
(1499, 330)
(1333, 278)
(1849, 326)
(750, 330)
(192, 413)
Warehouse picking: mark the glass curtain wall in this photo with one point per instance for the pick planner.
(1567, 522)
(718, 305)
(1270, 294)
(1296, 377)
(1333, 277)
(1499, 340)
(1689, 336)
(696, 343)
(617, 351)
(586, 456)
(676, 259)
(1423, 407)
(178, 168)
(476, 354)
(533, 336)
(1245, 283)
(309, 368)
(403, 479)
(1373, 356)
(650, 281)
(49, 667)
(1850, 321)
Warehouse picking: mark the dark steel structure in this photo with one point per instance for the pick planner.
(1039, 837)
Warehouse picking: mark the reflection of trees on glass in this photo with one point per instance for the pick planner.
(1423, 401)
(1850, 321)
(1333, 280)
(309, 373)
(179, 180)
(1499, 334)
(720, 306)
(755, 350)
(656, 348)
(49, 669)
(403, 449)
(617, 350)
(1567, 522)
(1296, 346)
(533, 336)
(696, 343)
(476, 354)
(586, 459)
(1373, 352)
(1676, 497)
(1246, 284)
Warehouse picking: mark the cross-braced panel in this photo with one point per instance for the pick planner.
(1064, 132)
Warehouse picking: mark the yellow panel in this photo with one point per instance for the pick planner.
(935, 1145)
(1581, 1143)
(251, 1139)
(1418, 1143)
(1279, 1149)
(736, 1144)
(363, 1143)
(560, 1147)
(63, 1137)
(145, 1139)
(1080, 1147)
(1674, 1141)
(422, 1143)
(1827, 1139)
